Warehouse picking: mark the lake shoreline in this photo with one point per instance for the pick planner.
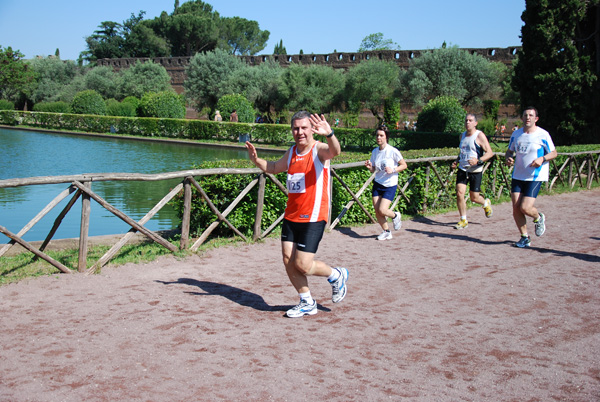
(144, 139)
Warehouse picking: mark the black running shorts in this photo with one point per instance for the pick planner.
(472, 179)
(306, 235)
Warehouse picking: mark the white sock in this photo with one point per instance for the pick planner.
(306, 296)
(463, 217)
(335, 274)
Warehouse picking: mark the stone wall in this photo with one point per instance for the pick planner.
(175, 66)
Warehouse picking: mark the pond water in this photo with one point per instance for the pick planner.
(28, 154)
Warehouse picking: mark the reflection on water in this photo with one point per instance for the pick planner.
(29, 154)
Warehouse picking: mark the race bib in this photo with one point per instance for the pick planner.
(465, 155)
(522, 147)
(296, 183)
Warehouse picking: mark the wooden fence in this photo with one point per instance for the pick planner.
(578, 167)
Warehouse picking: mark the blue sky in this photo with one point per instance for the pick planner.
(39, 27)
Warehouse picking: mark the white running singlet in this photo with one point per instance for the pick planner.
(527, 148)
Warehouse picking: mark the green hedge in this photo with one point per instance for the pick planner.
(223, 189)
(277, 134)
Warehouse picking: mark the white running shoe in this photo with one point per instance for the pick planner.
(397, 221)
(385, 235)
(302, 309)
(540, 225)
(338, 287)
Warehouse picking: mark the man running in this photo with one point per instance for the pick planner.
(475, 150)
(529, 150)
(307, 210)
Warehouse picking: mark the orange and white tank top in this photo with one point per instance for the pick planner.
(308, 187)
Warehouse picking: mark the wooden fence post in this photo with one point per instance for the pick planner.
(260, 205)
(427, 172)
(187, 212)
(84, 229)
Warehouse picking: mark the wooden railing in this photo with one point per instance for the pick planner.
(579, 167)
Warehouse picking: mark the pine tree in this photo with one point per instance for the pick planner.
(279, 48)
(557, 70)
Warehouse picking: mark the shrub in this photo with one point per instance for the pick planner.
(229, 103)
(391, 111)
(6, 105)
(490, 109)
(223, 189)
(116, 108)
(488, 126)
(88, 102)
(133, 101)
(52, 107)
(443, 114)
(165, 104)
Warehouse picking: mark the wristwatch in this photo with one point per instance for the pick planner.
(330, 134)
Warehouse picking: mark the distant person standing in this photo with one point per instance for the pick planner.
(529, 150)
(218, 116)
(475, 150)
(386, 161)
(233, 117)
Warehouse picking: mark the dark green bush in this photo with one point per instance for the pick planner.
(88, 102)
(133, 101)
(116, 108)
(52, 107)
(488, 126)
(165, 104)
(223, 189)
(491, 108)
(443, 114)
(6, 105)
(244, 108)
(391, 111)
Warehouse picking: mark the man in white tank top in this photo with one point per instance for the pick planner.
(475, 150)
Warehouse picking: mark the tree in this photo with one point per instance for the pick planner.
(259, 84)
(206, 74)
(241, 36)
(451, 71)
(15, 74)
(558, 67)
(191, 28)
(376, 41)
(279, 48)
(53, 78)
(141, 40)
(144, 77)
(369, 83)
(105, 43)
(314, 88)
(102, 80)
(190, 34)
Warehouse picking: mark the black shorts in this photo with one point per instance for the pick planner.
(306, 235)
(472, 179)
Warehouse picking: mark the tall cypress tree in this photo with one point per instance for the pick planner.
(557, 70)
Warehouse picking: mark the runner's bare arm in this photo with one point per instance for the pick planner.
(321, 126)
(273, 167)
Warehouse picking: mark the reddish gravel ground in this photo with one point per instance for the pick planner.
(434, 314)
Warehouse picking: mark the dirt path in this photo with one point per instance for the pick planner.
(433, 315)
